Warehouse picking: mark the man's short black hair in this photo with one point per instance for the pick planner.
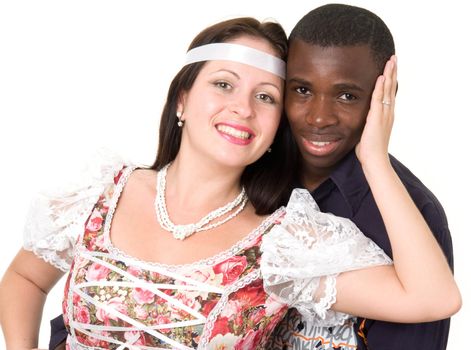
(345, 25)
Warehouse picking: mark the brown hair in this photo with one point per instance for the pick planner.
(266, 181)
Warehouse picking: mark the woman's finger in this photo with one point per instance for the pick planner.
(377, 96)
(388, 84)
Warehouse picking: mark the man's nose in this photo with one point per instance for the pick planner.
(321, 113)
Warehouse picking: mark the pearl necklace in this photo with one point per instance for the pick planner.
(183, 231)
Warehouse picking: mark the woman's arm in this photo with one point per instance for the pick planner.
(419, 287)
(23, 291)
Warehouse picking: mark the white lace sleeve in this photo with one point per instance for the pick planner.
(303, 255)
(56, 218)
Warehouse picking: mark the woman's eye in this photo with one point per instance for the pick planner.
(302, 90)
(223, 85)
(347, 97)
(266, 98)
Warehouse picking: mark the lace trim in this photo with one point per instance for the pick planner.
(318, 309)
(51, 259)
(302, 256)
(70, 303)
(329, 298)
(112, 208)
(61, 227)
(216, 311)
(213, 260)
(56, 217)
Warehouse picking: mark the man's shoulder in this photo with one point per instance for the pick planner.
(357, 202)
(406, 175)
(351, 182)
(422, 196)
(364, 206)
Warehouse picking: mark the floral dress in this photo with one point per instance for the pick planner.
(232, 300)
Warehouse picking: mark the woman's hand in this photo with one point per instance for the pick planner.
(372, 150)
(420, 286)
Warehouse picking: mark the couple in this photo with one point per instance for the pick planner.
(157, 261)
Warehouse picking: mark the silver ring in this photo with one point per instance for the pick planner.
(387, 103)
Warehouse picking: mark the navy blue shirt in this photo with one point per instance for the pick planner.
(346, 193)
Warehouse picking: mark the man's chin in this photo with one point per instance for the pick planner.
(320, 164)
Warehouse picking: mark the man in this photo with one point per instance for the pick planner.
(336, 54)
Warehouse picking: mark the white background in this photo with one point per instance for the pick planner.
(79, 75)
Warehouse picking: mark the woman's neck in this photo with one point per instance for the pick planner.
(201, 183)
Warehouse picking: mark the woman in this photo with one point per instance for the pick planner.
(138, 282)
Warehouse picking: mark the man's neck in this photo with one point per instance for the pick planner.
(311, 179)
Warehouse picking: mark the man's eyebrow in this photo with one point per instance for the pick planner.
(349, 86)
(299, 81)
(339, 86)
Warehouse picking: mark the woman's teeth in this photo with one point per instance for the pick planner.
(233, 132)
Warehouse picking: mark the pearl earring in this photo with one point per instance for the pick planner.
(180, 122)
(269, 150)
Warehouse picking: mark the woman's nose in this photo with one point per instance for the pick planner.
(242, 106)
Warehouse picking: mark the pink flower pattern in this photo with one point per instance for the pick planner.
(82, 314)
(95, 221)
(231, 269)
(96, 272)
(245, 323)
(143, 296)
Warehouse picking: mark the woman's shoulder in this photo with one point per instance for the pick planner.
(57, 215)
(135, 186)
(142, 178)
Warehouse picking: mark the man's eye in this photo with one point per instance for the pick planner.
(347, 97)
(302, 91)
(266, 98)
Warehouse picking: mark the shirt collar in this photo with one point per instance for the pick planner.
(350, 180)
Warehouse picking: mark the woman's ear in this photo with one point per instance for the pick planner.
(181, 104)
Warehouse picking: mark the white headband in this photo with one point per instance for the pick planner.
(237, 53)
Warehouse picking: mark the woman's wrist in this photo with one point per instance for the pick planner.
(376, 168)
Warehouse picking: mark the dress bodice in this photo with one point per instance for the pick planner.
(113, 300)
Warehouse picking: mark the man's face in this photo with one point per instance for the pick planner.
(328, 92)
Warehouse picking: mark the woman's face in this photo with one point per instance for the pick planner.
(232, 111)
